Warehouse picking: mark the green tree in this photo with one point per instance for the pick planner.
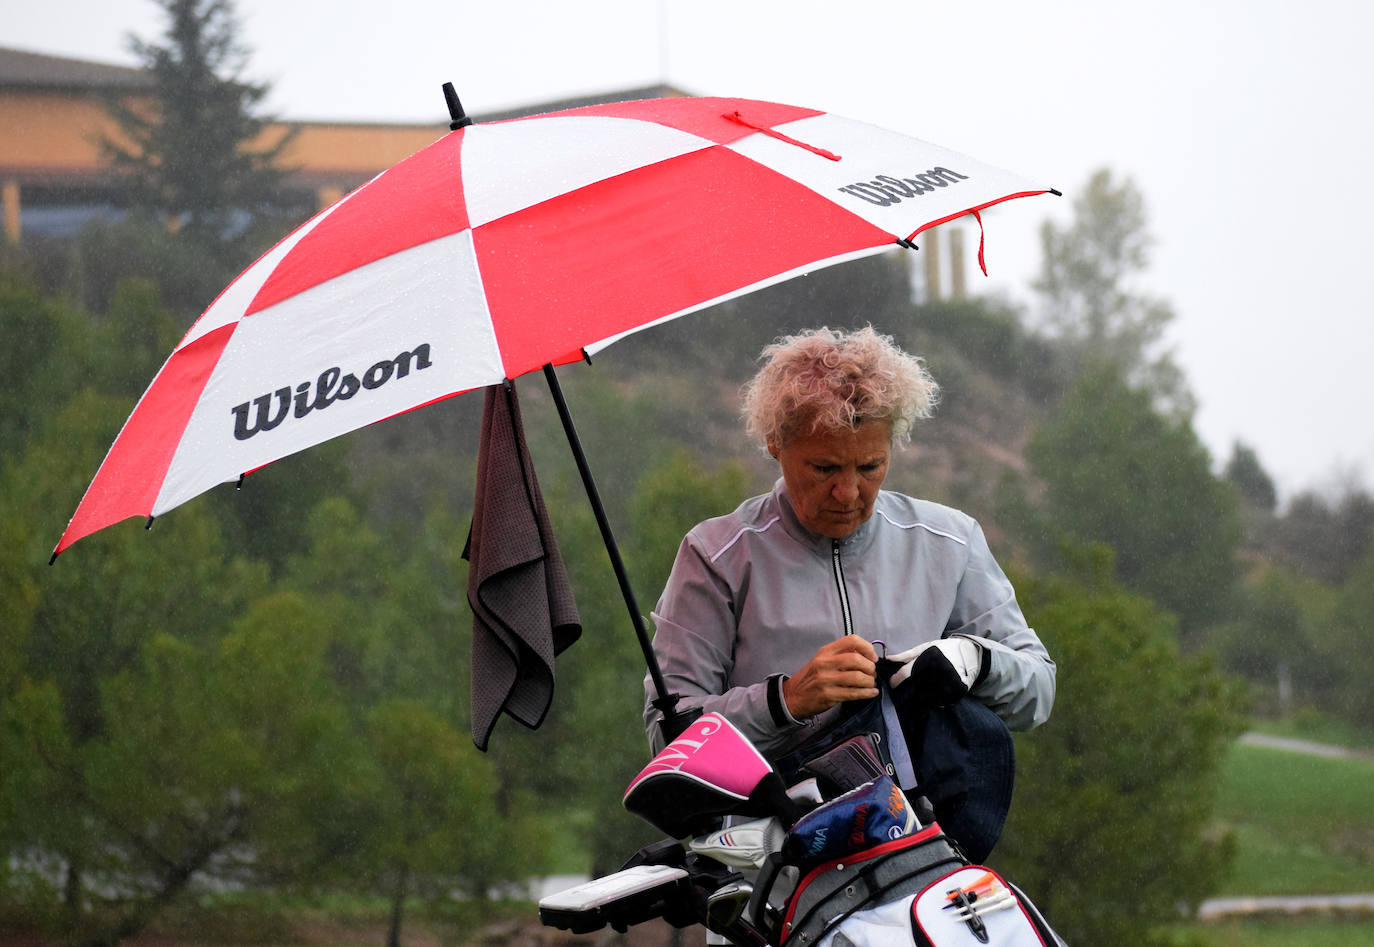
(394, 607)
(1118, 472)
(1248, 476)
(167, 745)
(989, 341)
(1323, 537)
(185, 778)
(435, 821)
(194, 158)
(49, 346)
(625, 429)
(60, 418)
(162, 709)
(304, 769)
(671, 497)
(595, 733)
(386, 600)
(1347, 642)
(1089, 299)
(1272, 640)
(135, 338)
(188, 274)
(79, 736)
(1110, 830)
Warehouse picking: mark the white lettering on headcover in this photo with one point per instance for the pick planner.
(676, 754)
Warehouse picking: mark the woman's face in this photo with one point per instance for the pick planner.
(833, 477)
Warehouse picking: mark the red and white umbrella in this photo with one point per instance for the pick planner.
(507, 246)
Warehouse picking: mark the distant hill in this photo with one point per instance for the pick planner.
(997, 381)
(681, 383)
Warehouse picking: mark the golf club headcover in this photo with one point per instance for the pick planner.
(709, 771)
(940, 672)
(744, 845)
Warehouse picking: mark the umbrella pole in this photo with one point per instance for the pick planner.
(673, 721)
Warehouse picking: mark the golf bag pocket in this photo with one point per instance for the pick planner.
(848, 765)
(870, 815)
(832, 892)
(973, 905)
(858, 742)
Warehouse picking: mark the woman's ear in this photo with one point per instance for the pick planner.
(773, 448)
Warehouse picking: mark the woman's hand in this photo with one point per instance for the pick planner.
(841, 670)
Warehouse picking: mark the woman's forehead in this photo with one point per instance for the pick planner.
(866, 438)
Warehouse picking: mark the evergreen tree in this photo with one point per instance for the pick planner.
(1324, 537)
(194, 158)
(1272, 640)
(1348, 643)
(1118, 472)
(47, 351)
(1248, 476)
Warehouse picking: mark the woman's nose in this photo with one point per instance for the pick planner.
(846, 488)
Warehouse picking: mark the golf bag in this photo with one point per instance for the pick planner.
(842, 859)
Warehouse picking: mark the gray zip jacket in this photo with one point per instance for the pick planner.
(754, 594)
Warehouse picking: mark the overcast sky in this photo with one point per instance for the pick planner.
(1246, 125)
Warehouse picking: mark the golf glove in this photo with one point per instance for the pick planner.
(941, 671)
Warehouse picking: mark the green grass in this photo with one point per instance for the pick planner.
(1288, 932)
(267, 919)
(1303, 824)
(1318, 728)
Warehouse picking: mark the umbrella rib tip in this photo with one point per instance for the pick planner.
(455, 108)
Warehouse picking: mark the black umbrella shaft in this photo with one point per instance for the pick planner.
(665, 702)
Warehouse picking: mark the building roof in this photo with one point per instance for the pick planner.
(26, 70)
(51, 108)
(580, 101)
(29, 70)
(39, 70)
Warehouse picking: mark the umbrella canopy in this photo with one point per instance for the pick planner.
(508, 246)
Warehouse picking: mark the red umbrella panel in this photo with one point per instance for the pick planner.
(507, 246)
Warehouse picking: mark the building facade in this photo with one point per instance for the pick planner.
(53, 115)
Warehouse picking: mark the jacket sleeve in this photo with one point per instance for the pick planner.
(1020, 684)
(694, 641)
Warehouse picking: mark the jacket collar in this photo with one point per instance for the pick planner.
(853, 544)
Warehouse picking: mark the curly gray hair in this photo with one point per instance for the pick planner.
(825, 379)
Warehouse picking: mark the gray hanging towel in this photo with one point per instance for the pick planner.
(523, 612)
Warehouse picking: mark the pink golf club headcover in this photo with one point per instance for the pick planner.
(710, 770)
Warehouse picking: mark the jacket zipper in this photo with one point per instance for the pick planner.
(889, 713)
(840, 586)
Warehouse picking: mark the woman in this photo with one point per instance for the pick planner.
(776, 615)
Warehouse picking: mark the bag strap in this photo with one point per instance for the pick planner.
(864, 876)
(763, 887)
(896, 739)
